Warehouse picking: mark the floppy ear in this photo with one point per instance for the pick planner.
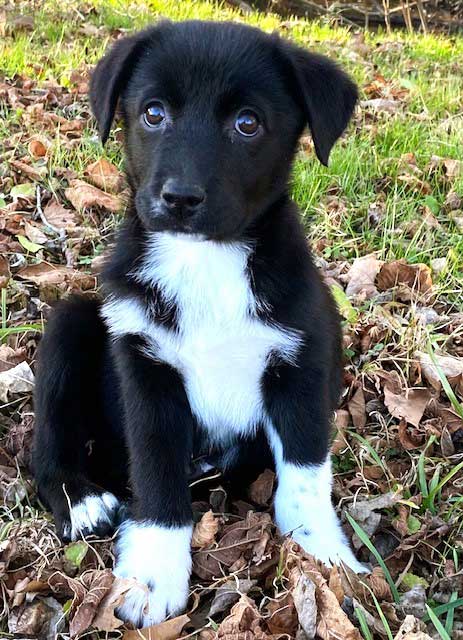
(326, 94)
(111, 76)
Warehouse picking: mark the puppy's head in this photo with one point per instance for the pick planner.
(212, 115)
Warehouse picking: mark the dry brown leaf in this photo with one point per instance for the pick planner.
(43, 618)
(35, 173)
(5, 273)
(34, 233)
(407, 439)
(98, 584)
(281, 616)
(379, 585)
(228, 593)
(105, 619)
(416, 276)
(44, 273)
(60, 217)
(244, 617)
(450, 366)
(381, 104)
(17, 380)
(306, 605)
(261, 489)
(335, 584)
(341, 421)
(409, 405)
(411, 629)
(332, 622)
(365, 511)
(38, 147)
(450, 167)
(361, 277)
(356, 406)
(168, 630)
(205, 531)
(84, 196)
(105, 175)
(10, 357)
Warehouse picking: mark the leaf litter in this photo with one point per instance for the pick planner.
(397, 434)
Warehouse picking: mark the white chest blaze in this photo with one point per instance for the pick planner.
(220, 347)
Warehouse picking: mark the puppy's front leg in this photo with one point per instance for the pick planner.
(298, 408)
(154, 545)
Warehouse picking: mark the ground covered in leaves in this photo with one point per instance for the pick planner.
(385, 221)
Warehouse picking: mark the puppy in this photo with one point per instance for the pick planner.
(215, 334)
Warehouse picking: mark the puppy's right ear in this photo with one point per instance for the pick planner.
(111, 76)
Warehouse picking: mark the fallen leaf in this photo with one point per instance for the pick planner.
(409, 405)
(5, 273)
(379, 585)
(364, 512)
(44, 273)
(10, 357)
(105, 619)
(244, 617)
(84, 196)
(451, 367)
(411, 629)
(168, 630)
(361, 277)
(450, 167)
(332, 622)
(58, 216)
(205, 531)
(19, 379)
(261, 489)
(306, 605)
(416, 276)
(356, 406)
(98, 583)
(381, 104)
(229, 593)
(38, 147)
(408, 440)
(341, 422)
(105, 175)
(34, 233)
(43, 618)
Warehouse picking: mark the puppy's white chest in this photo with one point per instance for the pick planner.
(219, 345)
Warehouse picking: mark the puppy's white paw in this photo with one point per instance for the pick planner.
(159, 559)
(95, 514)
(330, 549)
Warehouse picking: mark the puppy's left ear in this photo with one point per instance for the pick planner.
(326, 94)
(111, 76)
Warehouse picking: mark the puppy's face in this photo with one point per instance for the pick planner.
(212, 115)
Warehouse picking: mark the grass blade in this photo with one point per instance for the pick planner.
(363, 623)
(367, 542)
(437, 624)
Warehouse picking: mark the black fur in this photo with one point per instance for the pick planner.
(115, 395)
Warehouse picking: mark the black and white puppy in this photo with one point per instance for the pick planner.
(216, 335)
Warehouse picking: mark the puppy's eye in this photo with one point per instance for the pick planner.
(247, 123)
(154, 114)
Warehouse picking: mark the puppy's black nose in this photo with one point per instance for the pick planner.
(182, 197)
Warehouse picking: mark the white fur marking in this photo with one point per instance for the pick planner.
(303, 508)
(92, 511)
(221, 347)
(159, 559)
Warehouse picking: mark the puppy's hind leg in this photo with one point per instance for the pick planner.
(68, 409)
